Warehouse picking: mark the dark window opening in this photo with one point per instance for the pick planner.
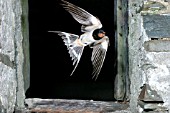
(50, 63)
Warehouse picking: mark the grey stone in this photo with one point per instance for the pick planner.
(157, 26)
(12, 57)
(8, 82)
(157, 46)
(136, 39)
(6, 60)
(153, 5)
(147, 94)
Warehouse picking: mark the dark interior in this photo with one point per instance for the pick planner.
(50, 63)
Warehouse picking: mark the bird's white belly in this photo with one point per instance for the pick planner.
(87, 39)
(104, 44)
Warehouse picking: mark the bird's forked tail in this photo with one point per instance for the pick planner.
(74, 50)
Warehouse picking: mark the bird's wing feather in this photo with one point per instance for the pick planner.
(74, 51)
(68, 38)
(98, 55)
(88, 21)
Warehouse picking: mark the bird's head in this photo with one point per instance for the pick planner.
(98, 34)
(101, 33)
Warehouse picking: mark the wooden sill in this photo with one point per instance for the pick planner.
(37, 105)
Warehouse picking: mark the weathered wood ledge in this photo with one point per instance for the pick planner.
(36, 105)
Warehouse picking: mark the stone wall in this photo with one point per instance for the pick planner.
(12, 55)
(149, 55)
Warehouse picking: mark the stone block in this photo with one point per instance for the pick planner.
(157, 26)
(157, 46)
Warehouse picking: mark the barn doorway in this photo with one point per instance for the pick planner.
(50, 63)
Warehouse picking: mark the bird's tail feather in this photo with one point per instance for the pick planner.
(76, 56)
(74, 50)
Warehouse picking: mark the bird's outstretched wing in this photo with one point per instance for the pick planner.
(98, 55)
(88, 21)
(74, 51)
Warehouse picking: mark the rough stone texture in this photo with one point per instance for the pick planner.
(148, 95)
(11, 56)
(157, 46)
(158, 75)
(157, 26)
(146, 66)
(156, 7)
(136, 54)
(8, 82)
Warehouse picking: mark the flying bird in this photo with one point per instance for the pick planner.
(75, 43)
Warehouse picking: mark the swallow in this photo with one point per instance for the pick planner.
(75, 43)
